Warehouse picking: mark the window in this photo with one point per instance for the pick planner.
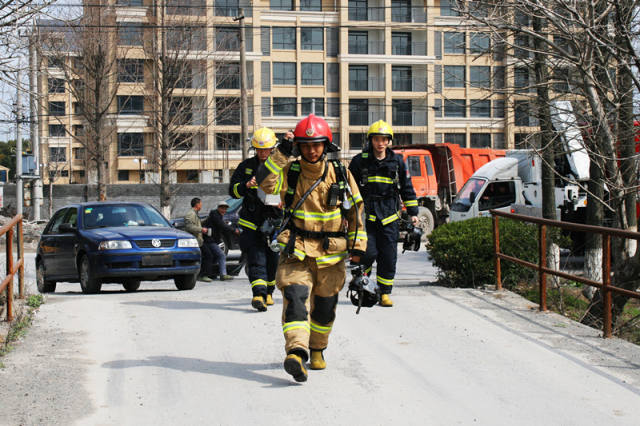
(56, 85)
(284, 73)
(498, 77)
(521, 79)
(402, 112)
(448, 8)
(480, 43)
(57, 108)
(130, 104)
(129, 2)
(319, 106)
(79, 153)
(226, 8)
(57, 154)
(311, 5)
(123, 175)
(78, 130)
(130, 144)
(129, 34)
(401, 10)
(428, 162)
(454, 75)
(457, 138)
(227, 39)
(333, 77)
(401, 43)
(284, 107)
(521, 46)
(527, 140)
(498, 108)
(358, 112)
(357, 140)
(333, 107)
(413, 166)
(358, 10)
(228, 141)
(228, 75)
(480, 77)
(497, 195)
(402, 138)
(480, 140)
(454, 42)
(57, 131)
(312, 38)
(284, 38)
(499, 141)
(281, 4)
(227, 110)
(454, 108)
(358, 42)
(524, 114)
(130, 70)
(401, 78)
(55, 62)
(312, 73)
(480, 108)
(358, 77)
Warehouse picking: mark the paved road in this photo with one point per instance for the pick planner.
(439, 357)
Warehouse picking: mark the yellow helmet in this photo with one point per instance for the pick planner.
(380, 127)
(263, 138)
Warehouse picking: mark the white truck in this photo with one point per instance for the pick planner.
(514, 183)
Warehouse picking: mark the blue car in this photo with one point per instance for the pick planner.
(114, 242)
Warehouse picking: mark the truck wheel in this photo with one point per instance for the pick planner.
(88, 282)
(425, 222)
(44, 286)
(185, 282)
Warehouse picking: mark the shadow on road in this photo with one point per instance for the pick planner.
(239, 306)
(236, 370)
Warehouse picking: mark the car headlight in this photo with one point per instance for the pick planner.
(114, 245)
(187, 242)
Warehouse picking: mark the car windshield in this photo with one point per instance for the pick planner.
(108, 215)
(462, 202)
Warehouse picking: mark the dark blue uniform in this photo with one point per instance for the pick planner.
(381, 182)
(261, 260)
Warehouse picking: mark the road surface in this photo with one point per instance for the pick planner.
(438, 357)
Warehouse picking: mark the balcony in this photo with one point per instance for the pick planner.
(372, 84)
(366, 47)
(416, 48)
(374, 14)
(415, 14)
(409, 118)
(409, 85)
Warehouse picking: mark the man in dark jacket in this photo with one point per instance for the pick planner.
(262, 262)
(218, 228)
(382, 179)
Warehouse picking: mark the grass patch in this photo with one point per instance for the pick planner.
(18, 328)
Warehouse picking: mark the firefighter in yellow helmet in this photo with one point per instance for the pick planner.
(321, 228)
(384, 183)
(257, 221)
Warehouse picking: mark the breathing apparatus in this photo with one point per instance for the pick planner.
(362, 290)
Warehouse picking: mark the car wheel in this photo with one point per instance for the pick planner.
(425, 222)
(89, 283)
(185, 282)
(131, 285)
(44, 286)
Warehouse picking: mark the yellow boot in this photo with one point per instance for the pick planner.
(385, 300)
(258, 303)
(317, 361)
(269, 300)
(293, 365)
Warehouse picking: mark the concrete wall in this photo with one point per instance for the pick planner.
(210, 194)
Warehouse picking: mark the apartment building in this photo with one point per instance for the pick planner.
(413, 63)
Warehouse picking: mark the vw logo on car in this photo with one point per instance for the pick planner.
(156, 243)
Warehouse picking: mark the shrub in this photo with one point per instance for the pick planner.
(463, 252)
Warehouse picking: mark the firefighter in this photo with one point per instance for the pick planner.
(321, 227)
(254, 221)
(382, 178)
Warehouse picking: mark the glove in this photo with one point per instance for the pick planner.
(286, 147)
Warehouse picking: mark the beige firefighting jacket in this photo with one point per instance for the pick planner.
(314, 214)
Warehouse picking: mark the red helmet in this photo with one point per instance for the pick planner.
(314, 129)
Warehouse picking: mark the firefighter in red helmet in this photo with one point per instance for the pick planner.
(322, 227)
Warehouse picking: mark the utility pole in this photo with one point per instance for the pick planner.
(18, 111)
(34, 128)
(244, 113)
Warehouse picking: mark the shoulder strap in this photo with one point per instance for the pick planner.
(292, 182)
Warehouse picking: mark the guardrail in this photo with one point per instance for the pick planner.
(13, 267)
(605, 286)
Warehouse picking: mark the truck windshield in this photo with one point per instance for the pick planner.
(463, 201)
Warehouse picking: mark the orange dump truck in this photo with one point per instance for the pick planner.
(438, 172)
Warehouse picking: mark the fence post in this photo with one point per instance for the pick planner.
(496, 250)
(542, 262)
(9, 289)
(20, 257)
(606, 282)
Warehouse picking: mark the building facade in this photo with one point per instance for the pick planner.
(412, 63)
